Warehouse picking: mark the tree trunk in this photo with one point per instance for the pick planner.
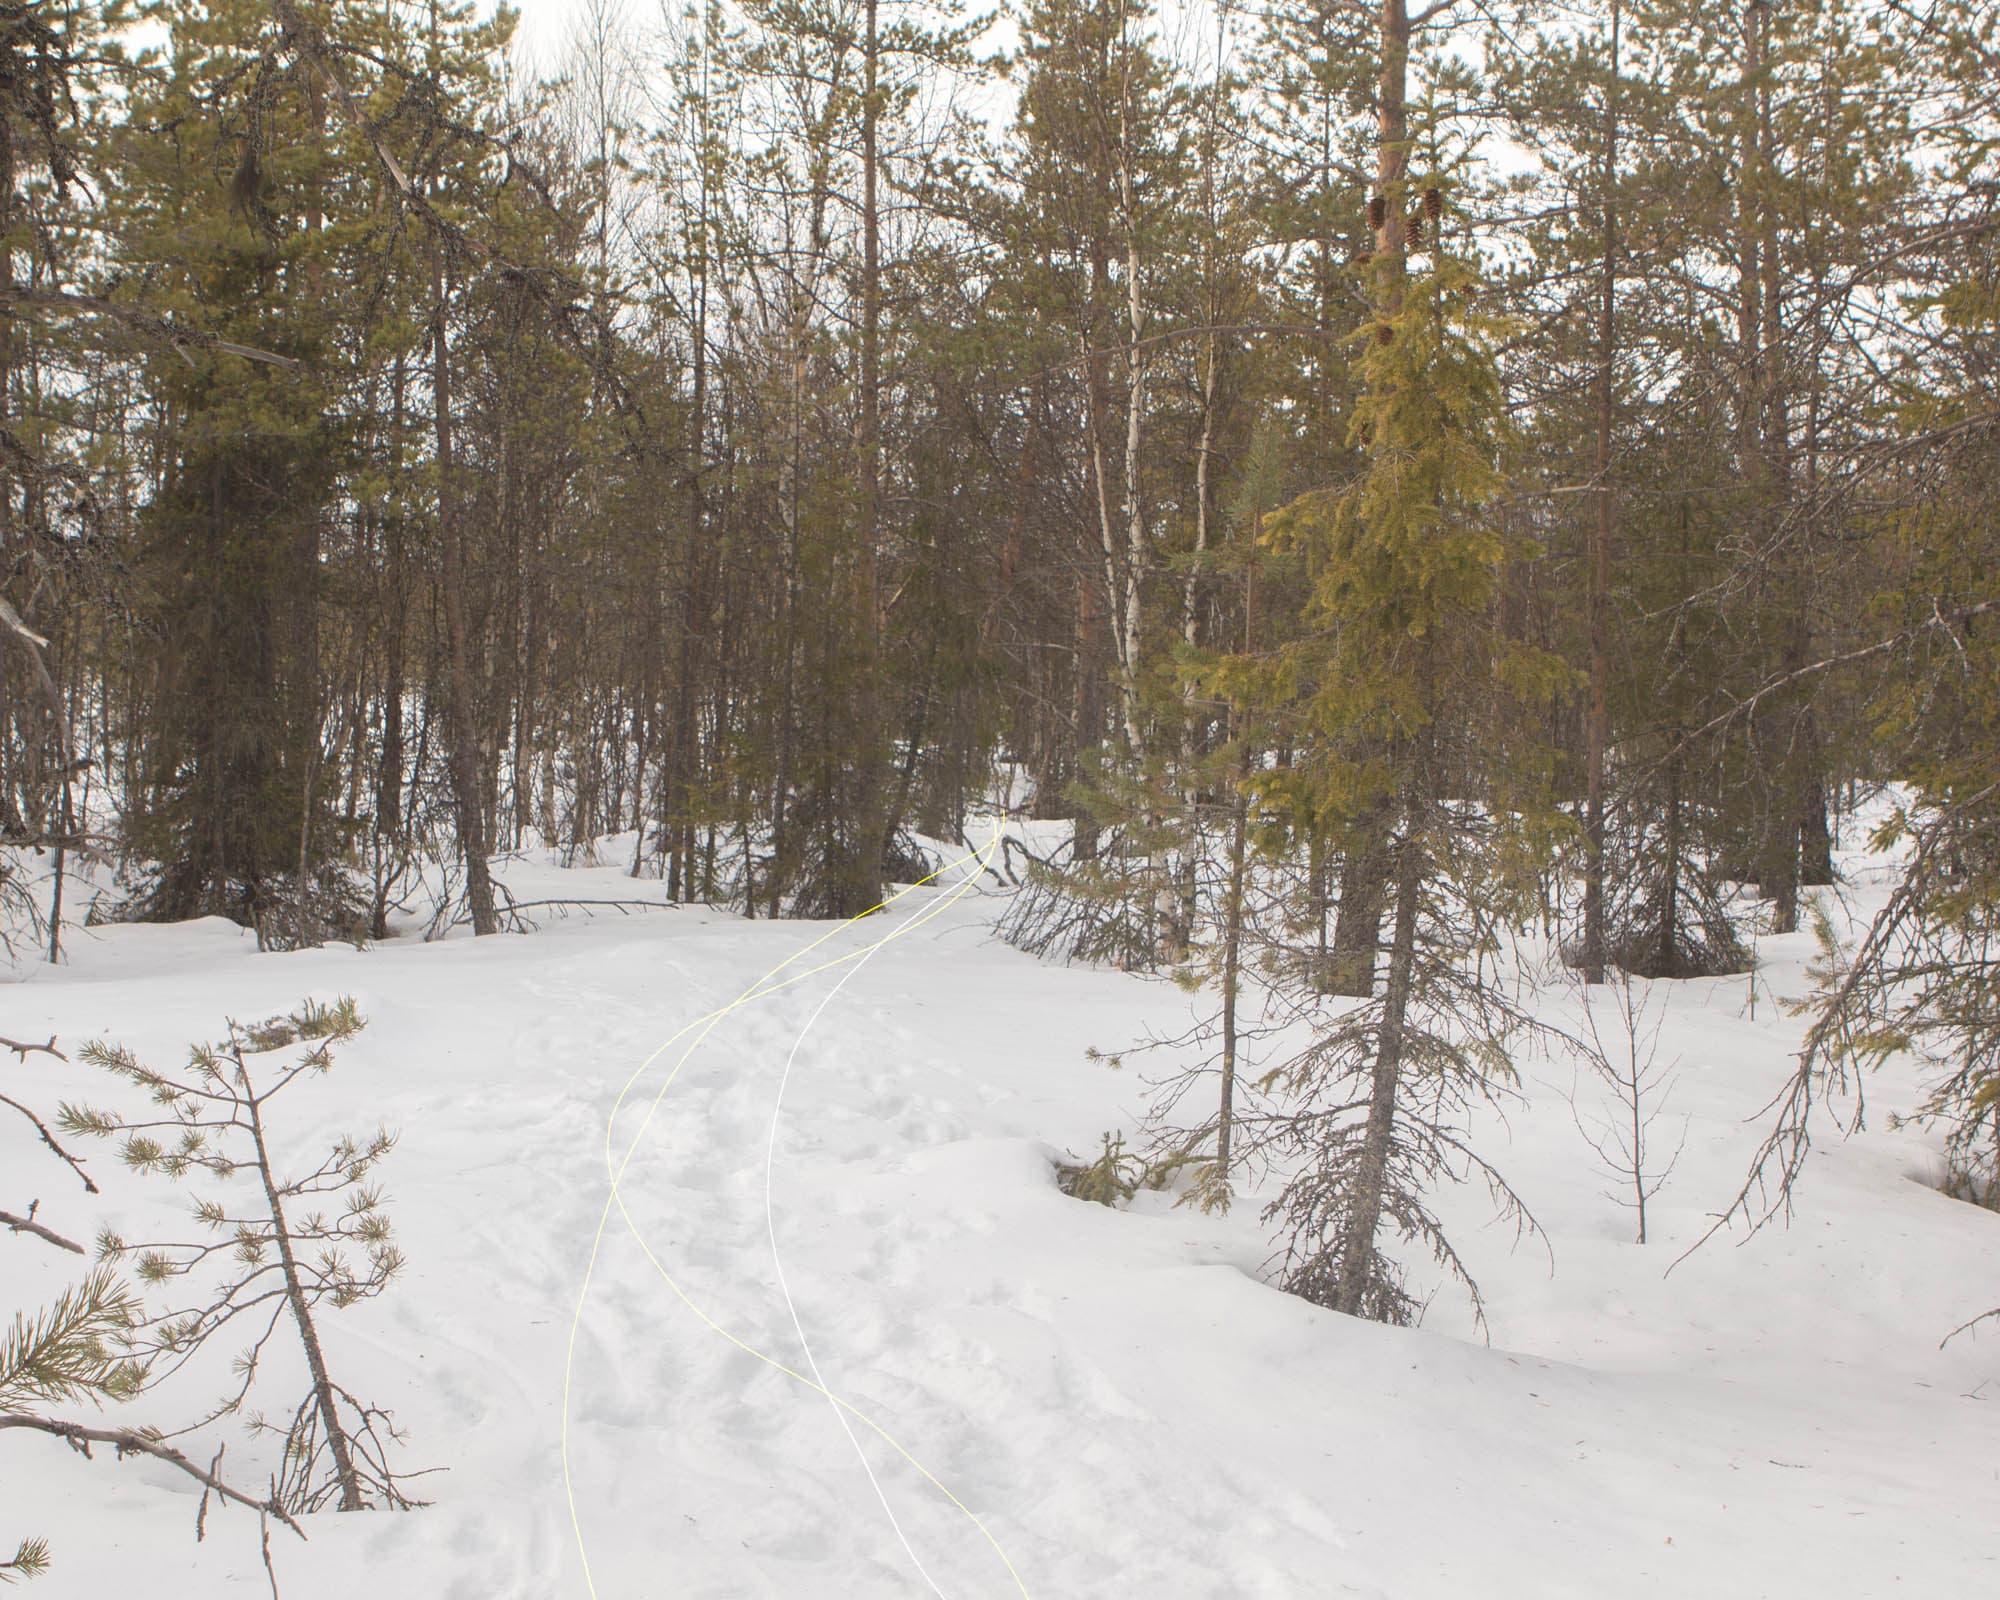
(1371, 1177)
(1600, 547)
(1366, 868)
(459, 715)
(1357, 927)
(862, 879)
(1232, 960)
(324, 1399)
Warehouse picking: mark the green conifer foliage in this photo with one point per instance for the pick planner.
(75, 1349)
(1407, 694)
(271, 1255)
(72, 1349)
(1924, 976)
(235, 207)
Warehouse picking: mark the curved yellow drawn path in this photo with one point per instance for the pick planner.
(615, 1169)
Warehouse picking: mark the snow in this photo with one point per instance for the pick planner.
(1082, 1401)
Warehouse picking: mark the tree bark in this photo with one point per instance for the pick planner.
(324, 1399)
(862, 887)
(1371, 1177)
(459, 714)
(1600, 546)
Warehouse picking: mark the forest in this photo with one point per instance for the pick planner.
(1359, 483)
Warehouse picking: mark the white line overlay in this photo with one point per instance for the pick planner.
(777, 1261)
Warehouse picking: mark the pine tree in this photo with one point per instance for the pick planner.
(1628, 505)
(1921, 978)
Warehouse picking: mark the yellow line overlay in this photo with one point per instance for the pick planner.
(615, 1172)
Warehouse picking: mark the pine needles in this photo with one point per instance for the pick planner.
(298, 1241)
(72, 1349)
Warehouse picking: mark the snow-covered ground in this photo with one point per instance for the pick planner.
(1040, 1397)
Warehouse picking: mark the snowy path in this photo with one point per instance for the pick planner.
(1114, 1396)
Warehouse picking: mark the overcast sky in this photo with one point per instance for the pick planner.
(538, 39)
(540, 32)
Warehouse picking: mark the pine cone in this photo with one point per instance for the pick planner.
(1378, 211)
(1434, 204)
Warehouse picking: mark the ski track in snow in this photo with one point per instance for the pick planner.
(792, 971)
(1115, 1395)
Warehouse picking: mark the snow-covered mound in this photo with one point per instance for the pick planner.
(1036, 1396)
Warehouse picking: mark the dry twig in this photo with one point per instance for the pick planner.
(129, 1441)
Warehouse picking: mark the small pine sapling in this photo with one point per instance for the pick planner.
(1206, 1111)
(1624, 1055)
(1121, 902)
(295, 1243)
(1362, 1149)
(79, 1348)
(1113, 1178)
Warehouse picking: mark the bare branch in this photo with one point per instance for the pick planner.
(150, 323)
(1937, 620)
(1766, 1191)
(48, 1138)
(28, 1224)
(1984, 1316)
(129, 1441)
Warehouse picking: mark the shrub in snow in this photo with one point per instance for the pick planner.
(275, 1255)
(78, 1349)
(1113, 1178)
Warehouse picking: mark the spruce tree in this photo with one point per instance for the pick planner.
(242, 223)
(1406, 688)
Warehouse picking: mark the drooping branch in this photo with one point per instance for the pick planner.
(1766, 1192)
(130, 1441)
(1946, 620)
(150, 323)
(33, 644)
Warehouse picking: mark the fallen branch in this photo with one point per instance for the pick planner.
(28, 1224)
(1984, 1316)
(616, 905)
(48, 1138)
(128, 1441)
